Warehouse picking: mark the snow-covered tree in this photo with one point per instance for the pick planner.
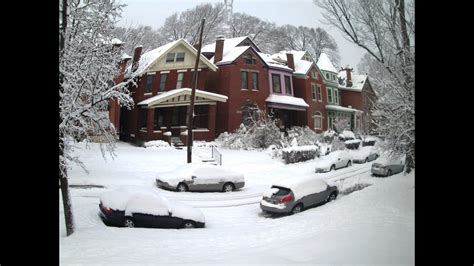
(341, 123)
(88, 64)
(385, 29)
(145, 36)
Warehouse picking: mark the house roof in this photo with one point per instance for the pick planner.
(286, 102)
(358, 81)
(302, 66)
(341, 108)
(272, 63)
(231, 49)
(324, 63)
(173, 98)
(149, 58)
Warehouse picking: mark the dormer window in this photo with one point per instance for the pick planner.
(170, 57)
(179, 57)
(327, 76)
(314, 74)
(250, 60)
(175, 57)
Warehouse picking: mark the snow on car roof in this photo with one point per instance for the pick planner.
(302, 185)
(206, 173)
(117, 199)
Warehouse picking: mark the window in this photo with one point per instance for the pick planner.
(149, 83)
(329, 95)
(334, 77)
(276, 83)
(179, 57)
(336, 96)
(318, 120)
(244, 80)
(170, 57)
(179, 83)
(313, 91)
(163, 81)
(250, 60)
(159, 116)
(255, 81)
(314, 74)
(319, 94)
(288, 85)
(327, 76)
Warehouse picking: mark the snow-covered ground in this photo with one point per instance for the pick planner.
(374, 225)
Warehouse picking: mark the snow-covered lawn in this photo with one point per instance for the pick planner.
(372, 225)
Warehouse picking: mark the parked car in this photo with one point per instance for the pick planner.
(388, 165)
(333, 161)
(143, 207)
(294, 194)
(364, 154)
(201, 177)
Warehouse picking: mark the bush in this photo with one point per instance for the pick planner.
(337, 144)
(138, 142)
(299, 153)
(157, 143)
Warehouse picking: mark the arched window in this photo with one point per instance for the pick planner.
(318, 120)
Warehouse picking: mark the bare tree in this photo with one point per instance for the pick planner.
(88, 63)
(385, 29)
(315, 41)
(185, 24)
(141, 35)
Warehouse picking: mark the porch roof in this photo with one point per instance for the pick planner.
(342, 109)
(286, 102)
(182, 97)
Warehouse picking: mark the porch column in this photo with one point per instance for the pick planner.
(149, 123)
(211, 120)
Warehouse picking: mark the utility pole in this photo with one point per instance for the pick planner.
(193, 94)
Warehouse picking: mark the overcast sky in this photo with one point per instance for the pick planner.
(296, 12)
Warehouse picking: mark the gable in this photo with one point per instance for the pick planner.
(189, 60)
(248, 42)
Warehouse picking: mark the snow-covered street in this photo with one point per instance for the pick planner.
(373, 225)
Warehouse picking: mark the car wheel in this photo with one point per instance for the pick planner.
(333, 167)
(128, 223)
(228, 187)
(182, 187)
(188, 225)
(332, 197)
(349, 163)
(389, 172)
(298, 208)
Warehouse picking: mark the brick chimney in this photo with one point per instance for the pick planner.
(348, 70)
(219, 49)
(136, 57)
(290, 60)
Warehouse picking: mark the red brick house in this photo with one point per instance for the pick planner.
(357, 92)
(252, 81)
(162, 95)
(308, 85)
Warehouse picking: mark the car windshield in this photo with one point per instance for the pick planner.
(281, 191)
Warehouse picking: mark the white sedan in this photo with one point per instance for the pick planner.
(333, 161)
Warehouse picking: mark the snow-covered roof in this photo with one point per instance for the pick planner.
(358, 81)
(341, 108)
(149, 58)
(126, 56)
(285, 99)
(272, 63)
(324, 63)
(302, 66)
(163, 97)
(229, 44)
(231, 55)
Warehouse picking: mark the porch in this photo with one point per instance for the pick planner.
(285, 108)
(164, 116)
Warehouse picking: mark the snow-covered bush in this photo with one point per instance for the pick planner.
(329, 135)
(348, 135)
(299, 153)
(204, 144)
(157, 144)
(341, 123)
(352, 144)
(337, 144)
(304, 135)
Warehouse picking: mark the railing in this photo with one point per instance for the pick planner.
(216, 155)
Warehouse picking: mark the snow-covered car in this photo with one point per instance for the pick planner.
(364, 154)
(388, 165)
(143, 207)
(333, 161)
(294, 194)
(201, 177)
